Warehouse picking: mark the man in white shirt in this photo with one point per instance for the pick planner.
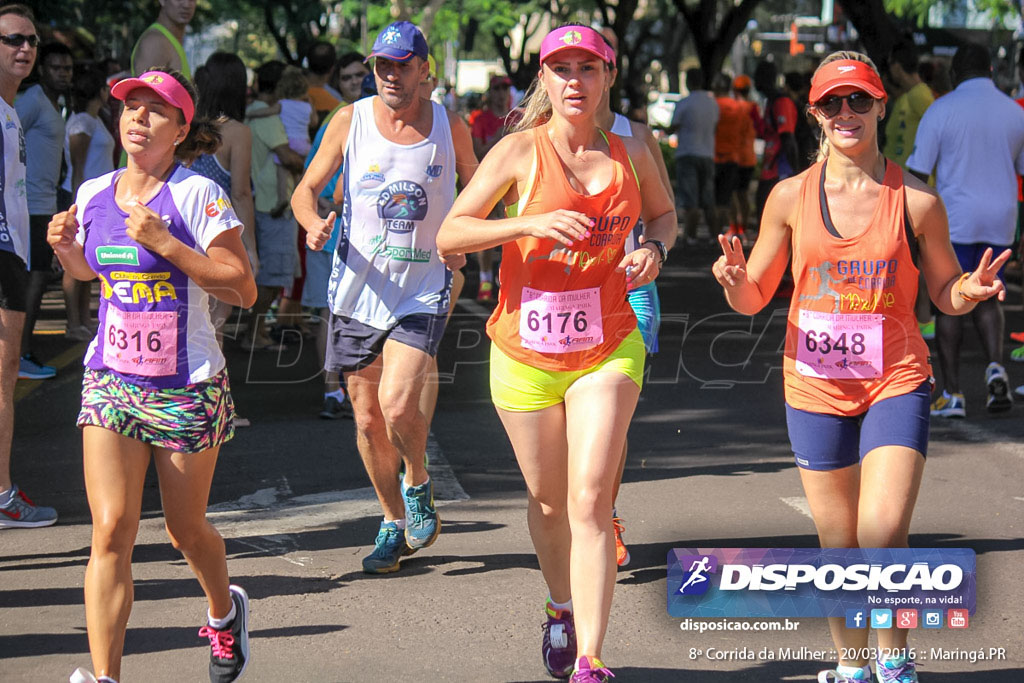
(973, 140)
(18, 42)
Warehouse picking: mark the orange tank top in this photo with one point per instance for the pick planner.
(852, 337)
(564, 308)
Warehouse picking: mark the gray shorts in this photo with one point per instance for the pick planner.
(276, 244)
(695, 182)
(318, 278)
(352, 346)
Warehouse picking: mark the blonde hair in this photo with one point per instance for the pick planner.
(535, 107)
(823, 146)
(293, 84)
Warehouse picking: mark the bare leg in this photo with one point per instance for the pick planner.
(185, 490)
(599, 407)
(890, 480)
(833, 498)
(11, 324)
(539, 441)
(389, 425)
(258, 326)
(115, 471)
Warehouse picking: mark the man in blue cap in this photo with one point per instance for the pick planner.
(389, 291)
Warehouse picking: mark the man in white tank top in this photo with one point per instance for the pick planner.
(389, 290)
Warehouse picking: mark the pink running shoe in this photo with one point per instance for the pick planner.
(590, 670)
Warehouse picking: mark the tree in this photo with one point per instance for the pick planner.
(714, 26)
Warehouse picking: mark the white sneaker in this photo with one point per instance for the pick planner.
(82, 676)
(999, 398)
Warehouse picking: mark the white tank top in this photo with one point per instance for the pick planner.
(395, 197)
(622, 128)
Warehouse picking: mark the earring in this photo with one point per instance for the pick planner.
(176, 142)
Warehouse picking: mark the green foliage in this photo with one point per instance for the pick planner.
(1000, 9)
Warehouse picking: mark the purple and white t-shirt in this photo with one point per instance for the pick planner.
(155, 328)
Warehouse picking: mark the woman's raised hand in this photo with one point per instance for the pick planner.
(731, 267)
(63, 227)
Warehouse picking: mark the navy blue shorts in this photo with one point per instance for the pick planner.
(826, 442)
(969, 255)
(352, 345)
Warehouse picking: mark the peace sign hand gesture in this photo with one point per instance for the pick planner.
(984, 282)
(731, 267)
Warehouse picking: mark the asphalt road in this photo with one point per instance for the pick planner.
(709, 466)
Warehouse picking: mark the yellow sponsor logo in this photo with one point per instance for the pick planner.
(134, 287)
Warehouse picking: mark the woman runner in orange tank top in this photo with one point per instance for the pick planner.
(567, 358)
(856, 371)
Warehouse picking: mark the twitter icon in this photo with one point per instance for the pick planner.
(881, 618)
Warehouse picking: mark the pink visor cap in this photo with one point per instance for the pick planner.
(164, 85)
(580, 37)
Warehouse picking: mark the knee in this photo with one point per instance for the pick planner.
(589, 504)
(188, 536)
(548, 511)
(881, 533)
(113, 536)
(400, 412)
(369, 423)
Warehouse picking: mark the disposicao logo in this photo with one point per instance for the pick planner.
(695, 579)
(125, 256)
(862, 583)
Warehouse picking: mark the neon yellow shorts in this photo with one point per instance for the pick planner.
(521, 388)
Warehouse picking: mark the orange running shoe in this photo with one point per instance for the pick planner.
(621, 551)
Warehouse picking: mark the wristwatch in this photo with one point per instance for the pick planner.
(662, 250)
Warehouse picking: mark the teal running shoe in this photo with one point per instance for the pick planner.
(833, 675)
(898, 670)
(422, 523)
(388, 549)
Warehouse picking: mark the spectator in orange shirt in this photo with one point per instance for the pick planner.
(733, 121)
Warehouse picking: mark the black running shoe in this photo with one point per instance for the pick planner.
(229, 647)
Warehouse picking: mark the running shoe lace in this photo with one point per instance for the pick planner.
(557, 636)
(21, 494)
(619, 526)
(590, 675)
(221, 642)
(904, 673)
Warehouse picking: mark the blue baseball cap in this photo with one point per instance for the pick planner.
(400, 41)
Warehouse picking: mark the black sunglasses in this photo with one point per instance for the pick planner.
(860, 103)
(19, 39)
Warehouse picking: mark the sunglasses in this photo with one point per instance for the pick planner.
(860, 103)
(19, 39)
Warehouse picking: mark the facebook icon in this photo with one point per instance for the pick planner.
(856, 618)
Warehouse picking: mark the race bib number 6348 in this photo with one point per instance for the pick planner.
(840, 345)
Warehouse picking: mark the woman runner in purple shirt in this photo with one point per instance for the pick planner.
(161, 239)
